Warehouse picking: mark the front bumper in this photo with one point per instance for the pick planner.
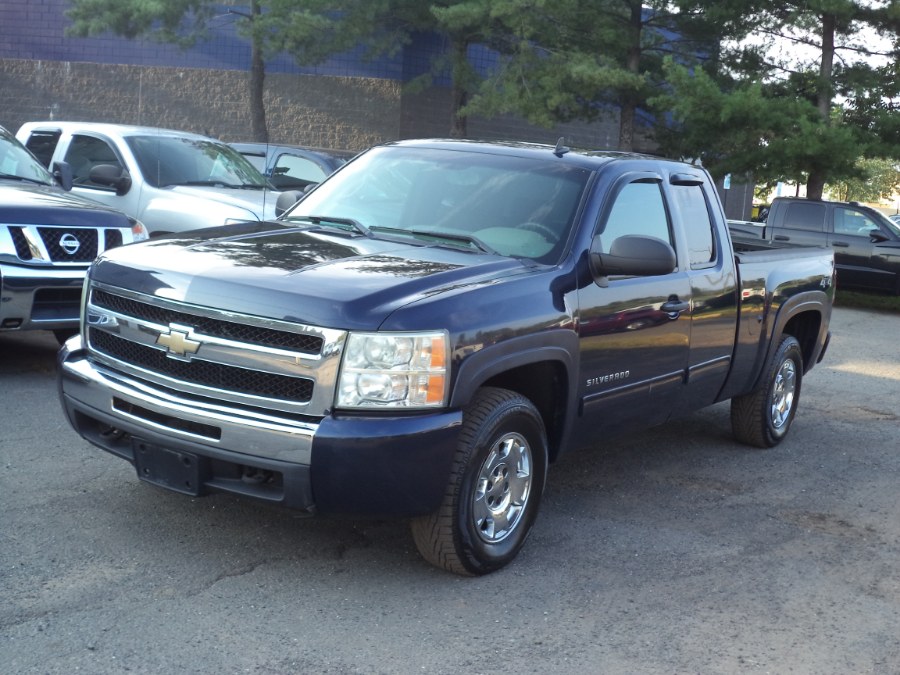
(34, 298)
(395, 466)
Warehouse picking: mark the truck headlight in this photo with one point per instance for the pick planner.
(394, 370)
(139, 231)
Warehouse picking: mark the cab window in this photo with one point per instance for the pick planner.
(638, 209)
(851, 221)
(698, 227)
(86, 152)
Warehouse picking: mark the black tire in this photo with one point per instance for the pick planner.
(764, 416)
(482, 523)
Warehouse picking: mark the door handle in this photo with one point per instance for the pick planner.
(781, 237)
(840, 244)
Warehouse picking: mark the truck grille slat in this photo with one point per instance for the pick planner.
(216, 375)
(229, 330)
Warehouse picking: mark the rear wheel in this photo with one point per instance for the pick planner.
(764, 416)
(494, 490)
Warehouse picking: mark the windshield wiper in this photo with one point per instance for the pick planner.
(354, 225)
(24, 178)
(208, 183)
(452, 237)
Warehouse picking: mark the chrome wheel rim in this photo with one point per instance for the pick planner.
(502, 488)
(783, 393)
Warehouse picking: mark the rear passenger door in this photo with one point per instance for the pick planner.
(634, 332)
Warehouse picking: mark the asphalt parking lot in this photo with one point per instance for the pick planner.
(671, 551)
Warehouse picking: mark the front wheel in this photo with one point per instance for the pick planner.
(494, 490)
(764, 416)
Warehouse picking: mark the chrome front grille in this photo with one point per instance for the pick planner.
(233, 358)
(204, 373)
(60, 245)
(228, 330)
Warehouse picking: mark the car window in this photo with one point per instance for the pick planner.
(698, 227)
(42, 145)
(851, 221)
(805, 216)
(517, 206)
(86, 152)
(291, 171)
(15, 161)
(173, 160)
(638, 209)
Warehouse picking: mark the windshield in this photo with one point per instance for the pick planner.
(171, 160)
(514, 206)
(17, 162)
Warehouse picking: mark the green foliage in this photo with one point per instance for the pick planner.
(736, 104)
(878, 179)
(180, 22)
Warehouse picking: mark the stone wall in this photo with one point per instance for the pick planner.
(329, 112)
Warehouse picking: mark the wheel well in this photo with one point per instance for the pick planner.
(546, 385)
(805, 327)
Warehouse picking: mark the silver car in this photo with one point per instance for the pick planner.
(171, 181)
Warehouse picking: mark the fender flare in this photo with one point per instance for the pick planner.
(560, 346)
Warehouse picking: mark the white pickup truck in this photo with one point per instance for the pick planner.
(171, 181)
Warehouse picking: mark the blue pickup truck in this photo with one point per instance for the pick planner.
(431, 326)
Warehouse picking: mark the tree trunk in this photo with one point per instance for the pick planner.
(629, 100)
(459, 93)
(815, 185)
(258, 129)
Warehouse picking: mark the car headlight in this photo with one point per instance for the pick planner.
(394, 370)
(139, 231)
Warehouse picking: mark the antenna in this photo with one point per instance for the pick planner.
(560, 149)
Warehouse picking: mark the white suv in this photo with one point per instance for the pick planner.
(169, 180)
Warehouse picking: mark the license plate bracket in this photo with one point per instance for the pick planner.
(171, 469)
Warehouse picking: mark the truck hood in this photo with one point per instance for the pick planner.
(32, 204)
(304, 275)
(259, 203)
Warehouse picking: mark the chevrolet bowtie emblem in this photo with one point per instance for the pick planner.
(178, 343)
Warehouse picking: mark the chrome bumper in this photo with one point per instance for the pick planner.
(144, 411)
(18, 288)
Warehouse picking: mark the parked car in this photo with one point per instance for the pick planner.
(431, 326)
(895, 218)
(170, 180)
(48, 238)
(866, 243)
(293, 167)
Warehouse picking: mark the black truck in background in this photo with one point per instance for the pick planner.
(866, 243)
(432, 326)
(48, 238)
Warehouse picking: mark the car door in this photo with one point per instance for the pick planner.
(856, 255)
(84, 153)
(713, 279)
(634, 332)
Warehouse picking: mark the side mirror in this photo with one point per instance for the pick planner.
(113, 176)
(632, 255)
(286, 200)
(877, 236)
(62, 172)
